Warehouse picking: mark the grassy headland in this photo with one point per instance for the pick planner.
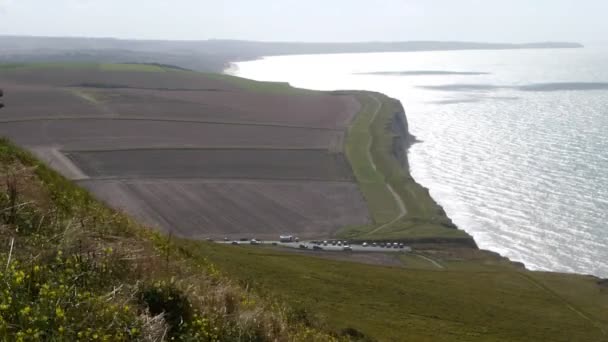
(376, 147)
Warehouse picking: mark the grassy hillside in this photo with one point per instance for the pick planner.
(481, 299)
(73, 269)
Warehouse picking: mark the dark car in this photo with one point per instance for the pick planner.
(317, 248)
(235, 242)
(303, 246)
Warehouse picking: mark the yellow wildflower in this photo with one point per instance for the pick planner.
(25, 311)
(59, 312)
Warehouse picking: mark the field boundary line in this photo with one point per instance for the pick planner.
(197, 148)
(138, 118)
(177, 178)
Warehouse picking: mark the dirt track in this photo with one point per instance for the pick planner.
(201, 157)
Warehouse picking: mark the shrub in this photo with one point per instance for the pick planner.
(165, 298)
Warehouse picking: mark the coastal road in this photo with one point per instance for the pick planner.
(328, 248)
(398, 200)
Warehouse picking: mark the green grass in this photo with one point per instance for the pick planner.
(424, 218)
(381, 203)
(260, 87)
(466, 301)
(132, 67)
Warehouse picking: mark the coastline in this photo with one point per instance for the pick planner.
(401, 209)
(402, 140)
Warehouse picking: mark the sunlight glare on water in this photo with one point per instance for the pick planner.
(514, 144)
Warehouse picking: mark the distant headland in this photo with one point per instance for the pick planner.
(213, 55)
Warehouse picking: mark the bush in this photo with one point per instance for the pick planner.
(164, 298)
(355, 335)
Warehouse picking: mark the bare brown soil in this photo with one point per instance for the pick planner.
(317, 110)
(24, 102)
(215, 163)
(236, 209)
(87, 134)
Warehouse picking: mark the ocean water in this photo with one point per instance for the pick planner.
(513, 144)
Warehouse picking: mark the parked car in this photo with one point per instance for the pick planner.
(235, 242)
(347, 249)
(375, 244)
(365, 244)
(226, 239)
(324, 243)
(254, 242)
(303, 246)
(317, 248)
(275, 244)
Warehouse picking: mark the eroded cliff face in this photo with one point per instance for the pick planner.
(402, 139)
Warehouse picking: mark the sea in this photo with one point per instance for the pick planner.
(512, 143)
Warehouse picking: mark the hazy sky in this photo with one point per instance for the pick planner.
(311, 20)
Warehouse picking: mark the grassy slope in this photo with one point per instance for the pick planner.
(260, 87)
(76, 270)
(465, 301)
(381, 203)
(424, 218)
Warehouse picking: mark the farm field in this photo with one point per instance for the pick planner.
(214, 163)
(108, 134)
(315, 110)
(257, 158)
(236, 208)
(110, 76)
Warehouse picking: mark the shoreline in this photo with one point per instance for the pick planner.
(402, 141)
(408, 142)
